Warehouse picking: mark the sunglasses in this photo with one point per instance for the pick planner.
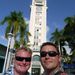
(27, 59)
(50, 53)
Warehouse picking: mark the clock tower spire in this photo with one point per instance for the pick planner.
(37, 28)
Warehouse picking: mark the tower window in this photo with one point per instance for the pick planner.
(36, 58)
(39, 9)
(38, 1)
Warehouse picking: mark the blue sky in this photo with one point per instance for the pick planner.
(57, 11)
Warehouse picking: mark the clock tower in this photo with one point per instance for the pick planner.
(37, 28)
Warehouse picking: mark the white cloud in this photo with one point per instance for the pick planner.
(27, 21)
(3, 37)
(3, 40)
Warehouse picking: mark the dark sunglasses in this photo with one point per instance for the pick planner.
(27, 59)
(50, 53)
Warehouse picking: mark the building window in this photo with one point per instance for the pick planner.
(39, 9)
(38, 1)
(36, 58)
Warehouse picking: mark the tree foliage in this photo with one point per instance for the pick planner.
(66, 34)
(58, 38)
(69, 32)
(16, 25)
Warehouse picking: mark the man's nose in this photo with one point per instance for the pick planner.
(24, 61)
(47, 56)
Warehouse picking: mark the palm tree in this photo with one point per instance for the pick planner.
(69, 34)
(16, 21)
(23, 37)
(58, 38)
(69, 31)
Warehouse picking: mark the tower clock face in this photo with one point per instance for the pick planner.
(38, 1)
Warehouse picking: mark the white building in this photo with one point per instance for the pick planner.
(37, 28)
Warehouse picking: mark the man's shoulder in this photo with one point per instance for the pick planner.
(28, 73)
(42, 74)
(61, 73)
(64, 73)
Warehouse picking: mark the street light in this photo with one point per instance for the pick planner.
(8, 55)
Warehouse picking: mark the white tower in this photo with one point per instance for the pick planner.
(37, 28)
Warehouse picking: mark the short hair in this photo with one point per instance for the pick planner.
(49, 43)
(23, 48)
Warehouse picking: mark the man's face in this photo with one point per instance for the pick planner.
(49, 57)
(22, 61)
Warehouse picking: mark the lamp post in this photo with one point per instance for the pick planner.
(7, 57)
(8, 54)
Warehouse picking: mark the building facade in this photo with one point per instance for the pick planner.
(37, 28)
(2, 56)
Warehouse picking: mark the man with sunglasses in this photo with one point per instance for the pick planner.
(50, 59)
(21, 61)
